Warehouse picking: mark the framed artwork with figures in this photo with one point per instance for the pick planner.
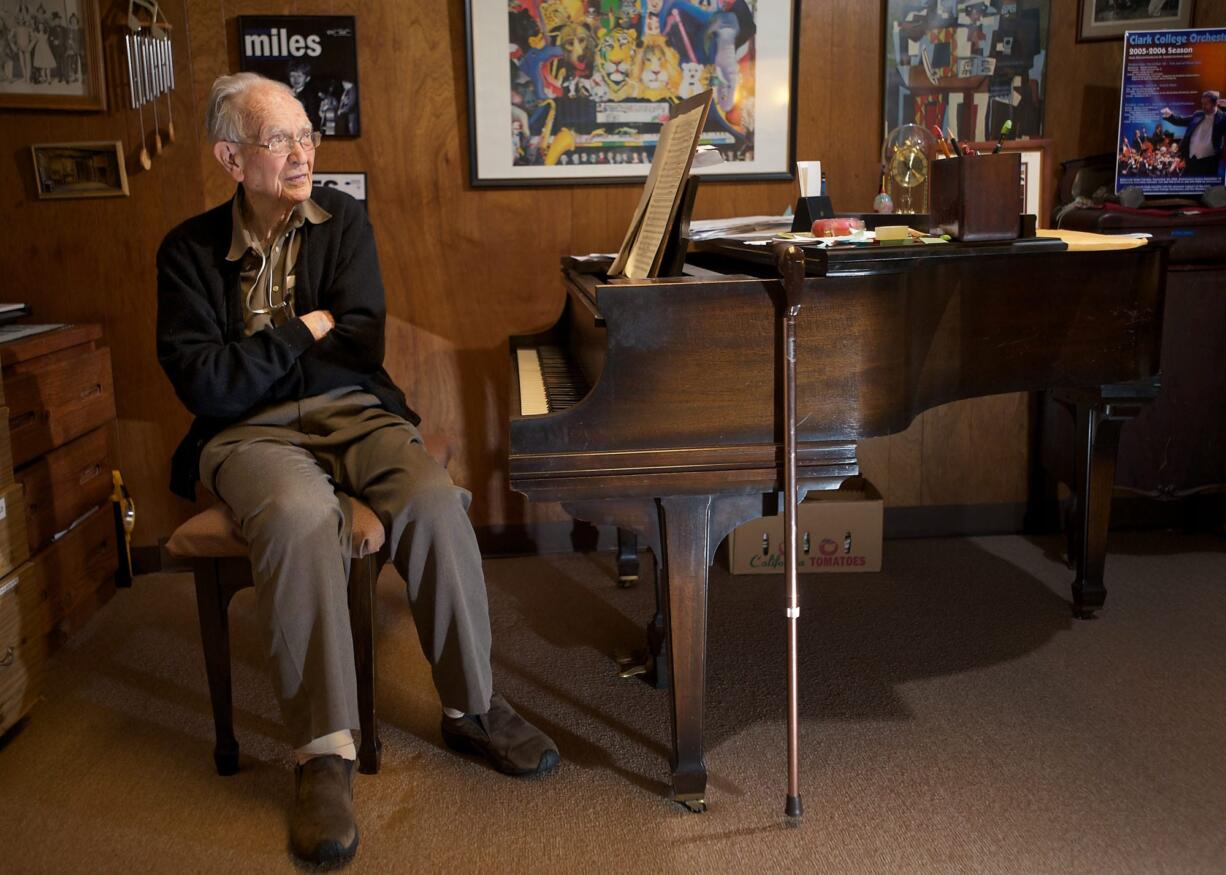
(576, 91)
(51, 56)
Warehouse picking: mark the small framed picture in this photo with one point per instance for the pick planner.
(316, 56)
(352, 184)
(51, 58)
(75, 170)
(1109, 19)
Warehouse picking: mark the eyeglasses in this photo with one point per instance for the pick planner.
(283, 144)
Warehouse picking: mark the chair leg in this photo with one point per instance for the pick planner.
(215, 636)
(363, 576)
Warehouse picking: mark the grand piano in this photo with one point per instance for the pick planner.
(655, 405)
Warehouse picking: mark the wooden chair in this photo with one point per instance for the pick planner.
(211, 540)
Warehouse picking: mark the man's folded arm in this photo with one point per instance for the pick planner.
(355, 299)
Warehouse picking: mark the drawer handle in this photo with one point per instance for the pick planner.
(89, 474)
(9, 657)
(95, 389)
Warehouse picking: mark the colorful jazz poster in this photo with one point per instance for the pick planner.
(1172, 111)
(582, 87)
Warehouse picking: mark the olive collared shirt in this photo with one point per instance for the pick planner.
(266, 278)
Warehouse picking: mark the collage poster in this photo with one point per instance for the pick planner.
(967, 66)
(1172, 111)
(589, 83)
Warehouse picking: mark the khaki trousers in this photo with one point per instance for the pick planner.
(280, 472)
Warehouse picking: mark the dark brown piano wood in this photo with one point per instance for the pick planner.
(678, 438)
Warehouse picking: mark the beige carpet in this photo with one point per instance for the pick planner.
(955, 719)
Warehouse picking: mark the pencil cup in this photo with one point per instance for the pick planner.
(977, 197)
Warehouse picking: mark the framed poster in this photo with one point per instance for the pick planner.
(575, 91)
(1110, 19)
(316, 56)
(352, 184)
(966, 67)
(1172, 111)
(51, 58)
(77, 170)
(1038, 186)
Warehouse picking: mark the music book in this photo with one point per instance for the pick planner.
(643, 248)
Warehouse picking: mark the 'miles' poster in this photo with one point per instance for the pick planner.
(1172, 111)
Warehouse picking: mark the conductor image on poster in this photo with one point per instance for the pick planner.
(1172, 112)
(316, 56)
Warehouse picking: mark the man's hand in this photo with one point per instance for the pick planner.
(320, 322)
(1166, 112)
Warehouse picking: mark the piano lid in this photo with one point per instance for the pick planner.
(859, 259)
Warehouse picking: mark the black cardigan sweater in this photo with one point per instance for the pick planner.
(223, 377)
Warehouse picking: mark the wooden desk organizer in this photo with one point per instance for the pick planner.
(977, 197)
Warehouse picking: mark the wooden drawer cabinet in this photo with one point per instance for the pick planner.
(78, 564)
(56, 454)
(64, 484)
(50, 403)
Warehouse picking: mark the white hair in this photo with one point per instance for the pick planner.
(229, 117)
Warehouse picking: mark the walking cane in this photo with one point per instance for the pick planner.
(792, 270)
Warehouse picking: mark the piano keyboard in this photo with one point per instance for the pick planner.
(548, 380)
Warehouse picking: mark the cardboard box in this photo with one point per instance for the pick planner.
(841, 529)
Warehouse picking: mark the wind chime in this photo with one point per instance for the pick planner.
(151, 72)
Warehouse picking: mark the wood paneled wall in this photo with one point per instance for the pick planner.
(466, 267)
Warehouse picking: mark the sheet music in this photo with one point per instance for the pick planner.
(643, 248)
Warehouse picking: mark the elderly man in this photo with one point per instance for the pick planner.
(1204, 131)
(270, 328)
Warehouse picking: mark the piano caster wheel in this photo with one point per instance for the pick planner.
(625, 581)
(694, 806)
(1081, 612)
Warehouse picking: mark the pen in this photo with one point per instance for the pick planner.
(954, 141)
(1000, 141)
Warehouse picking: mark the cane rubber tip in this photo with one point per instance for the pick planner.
(793, 808)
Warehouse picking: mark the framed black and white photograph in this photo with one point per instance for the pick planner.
(1110, 19)
(316, 56)
(80, 170)
(352, 184)
(577, 92)
(51, 55)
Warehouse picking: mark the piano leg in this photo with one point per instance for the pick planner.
(658, 672)
(627, 557)
(1098, 439)
(685, 523)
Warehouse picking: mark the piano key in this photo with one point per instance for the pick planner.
(532, 400)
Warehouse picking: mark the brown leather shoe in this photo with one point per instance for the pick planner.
(510, 743)
(322, 829)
